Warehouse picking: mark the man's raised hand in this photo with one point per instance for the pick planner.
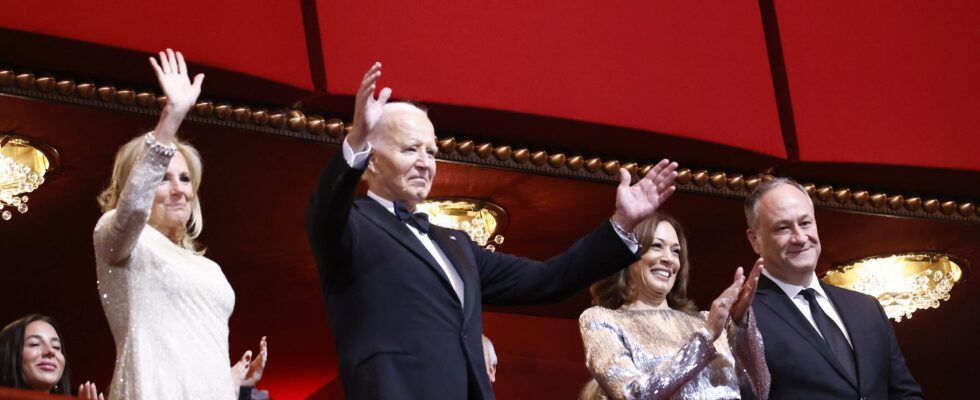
(636, 202)
(367, 108)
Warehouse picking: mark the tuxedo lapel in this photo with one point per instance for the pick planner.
(770, 295)
(387, 221)
(451, 242)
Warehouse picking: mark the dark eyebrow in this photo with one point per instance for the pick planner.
(38, 337)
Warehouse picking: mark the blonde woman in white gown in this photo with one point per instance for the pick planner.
(167, 305)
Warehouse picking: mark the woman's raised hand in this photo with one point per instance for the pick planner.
(181, 93)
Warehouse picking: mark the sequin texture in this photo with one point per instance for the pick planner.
(167, 307)
(667, 354)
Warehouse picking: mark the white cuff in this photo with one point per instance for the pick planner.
(629, 241)
(356, 161)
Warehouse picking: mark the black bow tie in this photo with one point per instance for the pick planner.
(419, 220)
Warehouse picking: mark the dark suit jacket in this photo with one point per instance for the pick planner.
(803, 367)
(400, 331)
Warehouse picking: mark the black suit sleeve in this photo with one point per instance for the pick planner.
(901, 384)
(327, 218)
(506, 279)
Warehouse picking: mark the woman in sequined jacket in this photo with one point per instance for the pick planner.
(644, 339)
(167, 305)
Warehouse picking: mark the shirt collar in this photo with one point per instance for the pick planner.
(792, 290)
(387, 204)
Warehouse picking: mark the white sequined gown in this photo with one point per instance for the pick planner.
(668, 354)
(167, 307)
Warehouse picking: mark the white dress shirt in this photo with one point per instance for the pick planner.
(359, 161)
(793, 291)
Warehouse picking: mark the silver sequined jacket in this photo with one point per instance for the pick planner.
(668, 354)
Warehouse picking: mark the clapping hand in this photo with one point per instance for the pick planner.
(746, 294)
(489, 359)
(257, 367)
(721, 307)
(181, 93)
(367, 109)
(248, 372)
(636, 202)
(88, 391)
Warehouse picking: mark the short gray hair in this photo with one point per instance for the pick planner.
(385, 120)
(752, 202)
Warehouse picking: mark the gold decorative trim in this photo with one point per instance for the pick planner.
(284, 121)
(295, 123)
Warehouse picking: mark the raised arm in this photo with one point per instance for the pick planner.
(609, 360)
(513, 280)
(117, 236)
(330, 204)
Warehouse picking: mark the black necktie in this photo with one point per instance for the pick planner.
(832, 334)
(419, 220)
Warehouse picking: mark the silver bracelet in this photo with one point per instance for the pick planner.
(157, 147)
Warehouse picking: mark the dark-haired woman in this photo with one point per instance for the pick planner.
(32, 357)
(644, 339)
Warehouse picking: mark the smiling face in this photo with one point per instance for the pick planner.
(655, 272)
(174, 194)
(403, 162)
(785, 234)
(42, 362)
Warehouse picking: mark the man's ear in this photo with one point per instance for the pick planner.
(753, 240)
(371, 167)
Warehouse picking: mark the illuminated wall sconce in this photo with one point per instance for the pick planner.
(23, 163)
(482, 220)
(902, 283)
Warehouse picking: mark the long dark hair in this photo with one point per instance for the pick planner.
(12, 350)
(617, 289)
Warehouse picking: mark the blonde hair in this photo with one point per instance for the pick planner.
(125, 160)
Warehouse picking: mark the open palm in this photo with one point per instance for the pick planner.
(367, 108)
(172, 74)
(636, 202)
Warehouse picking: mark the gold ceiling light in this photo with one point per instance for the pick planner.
(902, 283)
(23, 163)
(480, 219)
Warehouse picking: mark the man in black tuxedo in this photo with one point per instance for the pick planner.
(821, 341)
(405, 297)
